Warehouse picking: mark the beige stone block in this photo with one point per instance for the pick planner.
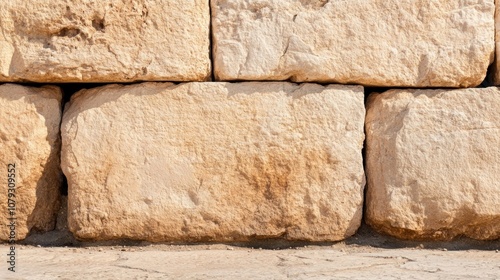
(29, 157)
(104, 41)
(411, 43)
(215, 161)
(433, 163)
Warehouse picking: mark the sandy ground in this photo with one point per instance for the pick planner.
(367, 255)
(228, 262)
(231, 263)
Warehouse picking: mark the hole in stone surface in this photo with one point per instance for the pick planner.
(98, 24)
(69, 32)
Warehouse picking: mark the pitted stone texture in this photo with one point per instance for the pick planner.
(412, 43)
(215, 161)
(433, 163)
(104, 41)
(29, 139)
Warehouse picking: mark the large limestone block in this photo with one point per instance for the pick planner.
(433, 163)
(29, 157)
(412, 43)
(215, 161)
(103, 41)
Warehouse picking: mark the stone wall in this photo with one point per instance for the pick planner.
(241, 120)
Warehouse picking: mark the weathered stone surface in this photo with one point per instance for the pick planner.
(103, 41)
(214, 161)
(381, 43)
(433, 163)
(29, 139)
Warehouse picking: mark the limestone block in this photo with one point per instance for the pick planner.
(413, 43)
(433, 163)
(29, 157)
(214, 161)
(104, 41)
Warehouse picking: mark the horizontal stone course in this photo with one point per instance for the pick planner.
(104, 41)
(214, 161)
(433, 163)
(374, 43)
(29, 157)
